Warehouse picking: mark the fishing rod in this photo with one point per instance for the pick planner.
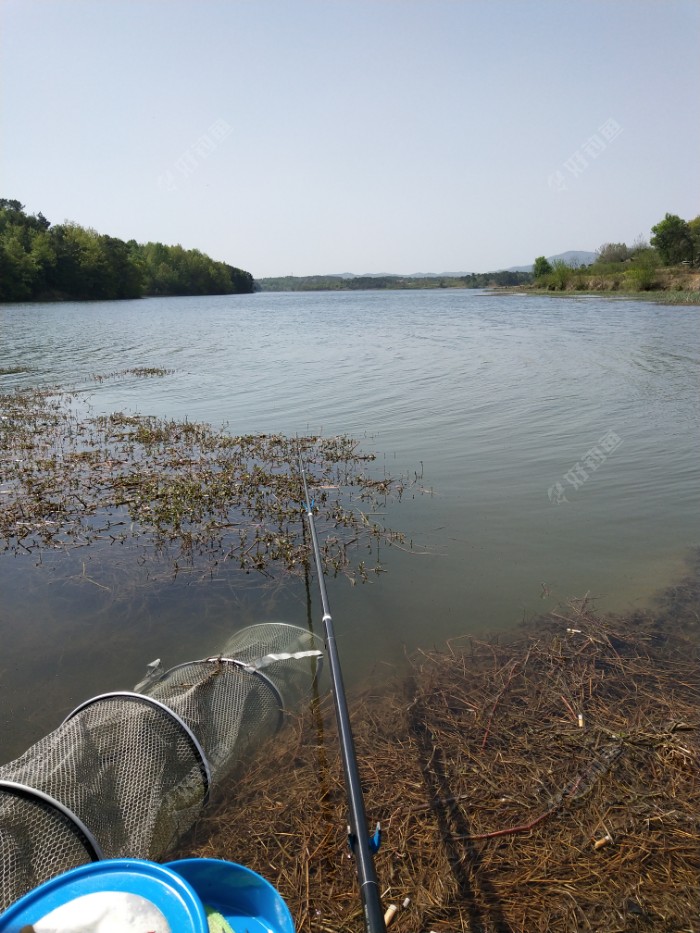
(361, 845)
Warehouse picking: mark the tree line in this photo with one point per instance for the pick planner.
(40, 261)
(673, 242)
(311, 283)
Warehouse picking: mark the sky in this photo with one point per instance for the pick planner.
(300, 137)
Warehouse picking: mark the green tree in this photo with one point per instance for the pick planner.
(82, 268)
(68, 261)
(17, 270)
(541, 267)
(673, 240)
(613, 252)
(694, 227)
(12, 207)
(172, 270)
(641, 273)
(561, 274)
(242, 282)
(43, 257)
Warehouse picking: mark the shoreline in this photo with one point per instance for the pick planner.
(690, 298)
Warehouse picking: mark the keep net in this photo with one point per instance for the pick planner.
(127, 774)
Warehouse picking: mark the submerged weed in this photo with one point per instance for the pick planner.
(204, 496)
(141, 372)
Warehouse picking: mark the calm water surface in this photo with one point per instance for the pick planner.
(495, 399)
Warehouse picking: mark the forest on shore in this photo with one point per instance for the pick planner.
(334, 283)
(40, 261)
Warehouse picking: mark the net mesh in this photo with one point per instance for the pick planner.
(126, 775)
(37, 841)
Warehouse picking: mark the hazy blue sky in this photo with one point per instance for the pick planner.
(319, 136)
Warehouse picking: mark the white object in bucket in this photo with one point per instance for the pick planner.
(104, 912)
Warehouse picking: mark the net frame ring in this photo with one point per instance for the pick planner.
(269, 683)
(239, 665)
(33, 795)
(171, 714)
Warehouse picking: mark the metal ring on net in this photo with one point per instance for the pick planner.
(248, 668)
(150, 701)
(39, 798)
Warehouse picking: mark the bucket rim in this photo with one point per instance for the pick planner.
(164, 888)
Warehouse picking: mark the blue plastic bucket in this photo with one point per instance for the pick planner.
(116, 889)
(245, 899)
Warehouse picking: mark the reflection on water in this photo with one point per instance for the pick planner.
(496, 399)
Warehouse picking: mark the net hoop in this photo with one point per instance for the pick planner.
(167, 711)
(234, 662)
(91, 844)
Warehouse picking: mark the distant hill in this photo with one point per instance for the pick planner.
(394, 275)
(350, 281)
(573, 257)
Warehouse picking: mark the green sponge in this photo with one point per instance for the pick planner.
(217, 922)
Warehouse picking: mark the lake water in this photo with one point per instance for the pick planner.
(558, 436)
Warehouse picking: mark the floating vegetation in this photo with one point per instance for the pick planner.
(12, 370)
(547, 782)
(200, 495)
(141, 372)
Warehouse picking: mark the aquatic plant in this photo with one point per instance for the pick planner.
(141, 372)
(200, 495)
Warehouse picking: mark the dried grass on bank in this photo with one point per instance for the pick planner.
(548, 783)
